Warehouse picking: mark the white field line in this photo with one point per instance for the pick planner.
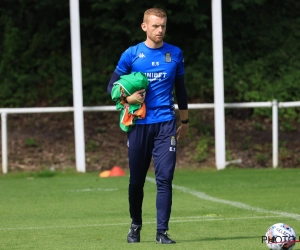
(176, 220)
(204, 196)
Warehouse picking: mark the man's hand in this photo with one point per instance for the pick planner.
(137, 97)
(182, 131)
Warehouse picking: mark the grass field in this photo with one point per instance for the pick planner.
(228, 209)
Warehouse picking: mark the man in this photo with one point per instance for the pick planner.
(155, 135)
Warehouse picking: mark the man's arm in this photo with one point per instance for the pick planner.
(181, 93)
(115, 77)
(182, 100)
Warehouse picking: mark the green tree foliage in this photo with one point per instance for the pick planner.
(34, 53)
(261, 56)
(260, 39)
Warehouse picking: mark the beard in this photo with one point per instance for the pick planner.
(156, 39)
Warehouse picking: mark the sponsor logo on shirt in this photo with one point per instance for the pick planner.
(152, 76)
(141, 55)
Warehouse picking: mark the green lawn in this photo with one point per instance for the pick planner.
(228, 209)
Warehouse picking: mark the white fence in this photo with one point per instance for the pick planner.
(274, 105)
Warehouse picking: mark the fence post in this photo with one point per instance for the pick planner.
(275, 132)
(4, 142)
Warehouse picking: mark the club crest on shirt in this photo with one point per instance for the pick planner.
(168, 57)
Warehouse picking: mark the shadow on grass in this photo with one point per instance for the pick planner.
(45, 174)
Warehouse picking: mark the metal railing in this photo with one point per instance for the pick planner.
(274, 105)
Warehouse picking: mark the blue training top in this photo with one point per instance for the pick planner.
(160, 66)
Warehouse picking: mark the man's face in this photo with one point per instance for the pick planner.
(155, 28)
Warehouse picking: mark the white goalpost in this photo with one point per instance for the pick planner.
(77, 86)
(218, 85)
(220, 149)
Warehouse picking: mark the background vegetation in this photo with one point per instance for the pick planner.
(261, 49)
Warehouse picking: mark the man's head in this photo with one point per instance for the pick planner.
(154, 12)
(154, 24)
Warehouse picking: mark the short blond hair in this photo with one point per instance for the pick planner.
(154, 12)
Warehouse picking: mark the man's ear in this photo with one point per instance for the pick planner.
(144, 26)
